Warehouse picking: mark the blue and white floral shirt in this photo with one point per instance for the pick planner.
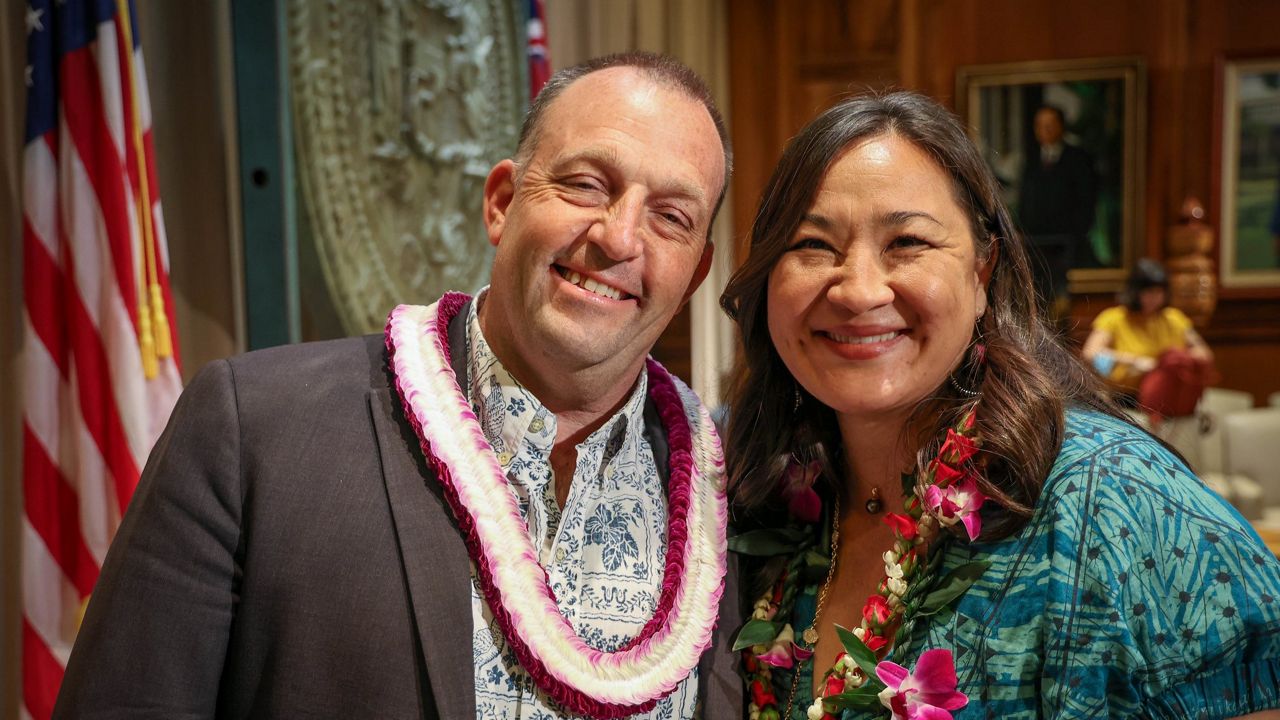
(603, 551)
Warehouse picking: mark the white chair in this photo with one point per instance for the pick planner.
(1251, 459)
(1274, 399)
(1216, 404)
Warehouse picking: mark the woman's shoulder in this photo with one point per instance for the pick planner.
(1175, 318)
(1132, 586)
(1111, 470)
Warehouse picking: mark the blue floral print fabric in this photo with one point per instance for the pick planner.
(1134, 591)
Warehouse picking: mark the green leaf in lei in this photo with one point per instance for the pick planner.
(756, 632)
(863, 698)
(769, 541)
(858, 650)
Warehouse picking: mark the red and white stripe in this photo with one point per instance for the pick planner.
(90, 416)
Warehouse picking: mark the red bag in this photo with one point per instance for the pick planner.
(1174, 387)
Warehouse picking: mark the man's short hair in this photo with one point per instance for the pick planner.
(1062, 116)
(664, 70)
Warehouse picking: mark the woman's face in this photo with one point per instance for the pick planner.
(1152, 299)
(875, 299)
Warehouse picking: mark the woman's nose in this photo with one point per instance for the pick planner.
(861, 284)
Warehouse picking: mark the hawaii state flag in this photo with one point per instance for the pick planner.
(539, 62)
(100, 353)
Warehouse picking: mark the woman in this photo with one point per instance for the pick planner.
(1128, 340)
(962, 495)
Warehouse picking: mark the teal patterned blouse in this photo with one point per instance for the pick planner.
(1134, 591)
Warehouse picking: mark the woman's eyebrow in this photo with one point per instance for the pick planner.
(902, 217)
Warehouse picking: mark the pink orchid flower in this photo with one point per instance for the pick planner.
(957, 503)
(782, 652)
(928, 693)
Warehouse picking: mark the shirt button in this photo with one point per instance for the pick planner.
(561, 555)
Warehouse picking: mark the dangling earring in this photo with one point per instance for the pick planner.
(799, 398)
(973, 366)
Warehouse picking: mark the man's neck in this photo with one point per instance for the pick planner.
(579, 412)
(582, 398)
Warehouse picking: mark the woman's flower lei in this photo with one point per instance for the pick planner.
(857, 679)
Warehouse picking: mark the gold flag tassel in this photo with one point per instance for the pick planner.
(153, 322)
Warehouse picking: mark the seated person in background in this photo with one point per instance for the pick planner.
(1128, 339)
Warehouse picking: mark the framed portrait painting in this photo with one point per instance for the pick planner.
(1066, 140)
(1249, 172)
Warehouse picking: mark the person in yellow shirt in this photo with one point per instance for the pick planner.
(1128, 339)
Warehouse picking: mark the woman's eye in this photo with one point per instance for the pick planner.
(810, 243)
(905, 241)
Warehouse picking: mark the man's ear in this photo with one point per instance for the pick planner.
(499, 189)
(700, 272)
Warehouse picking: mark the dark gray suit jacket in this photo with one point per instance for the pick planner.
(289, 555)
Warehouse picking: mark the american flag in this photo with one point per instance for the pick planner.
(539, 62)
(100, 354)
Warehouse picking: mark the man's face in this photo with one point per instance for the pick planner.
(1048, 127)
(601, 235)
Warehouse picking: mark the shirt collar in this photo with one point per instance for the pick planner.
(509, 414)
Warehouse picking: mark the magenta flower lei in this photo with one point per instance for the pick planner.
(583, 680)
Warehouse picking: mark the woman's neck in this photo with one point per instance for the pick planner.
(875, 455)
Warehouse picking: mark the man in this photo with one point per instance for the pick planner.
(1056, 203)
(327, 530)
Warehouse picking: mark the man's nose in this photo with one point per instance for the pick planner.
(620, 234)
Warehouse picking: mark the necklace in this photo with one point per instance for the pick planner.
(582, 679)
(810, 634)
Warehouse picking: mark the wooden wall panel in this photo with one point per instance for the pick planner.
(792, 59)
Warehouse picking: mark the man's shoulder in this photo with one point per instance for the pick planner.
(358, 363)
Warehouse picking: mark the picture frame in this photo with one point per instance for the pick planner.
(1078, 200)
(1247, 167)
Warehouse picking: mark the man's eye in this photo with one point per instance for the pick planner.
(584, 183)
(674, 218)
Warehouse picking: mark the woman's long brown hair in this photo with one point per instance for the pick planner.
(1027, 380)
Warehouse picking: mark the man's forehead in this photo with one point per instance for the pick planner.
(604, 156)
(621, 96)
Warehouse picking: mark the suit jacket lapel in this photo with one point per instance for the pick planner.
(436, 566)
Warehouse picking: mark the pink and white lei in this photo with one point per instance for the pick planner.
(580, 678)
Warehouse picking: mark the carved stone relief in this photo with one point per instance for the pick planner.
(400, 109)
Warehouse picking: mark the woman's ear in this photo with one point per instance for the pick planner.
(985, 270)
(499, 189)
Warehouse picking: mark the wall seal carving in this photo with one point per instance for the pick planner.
(400, 107)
